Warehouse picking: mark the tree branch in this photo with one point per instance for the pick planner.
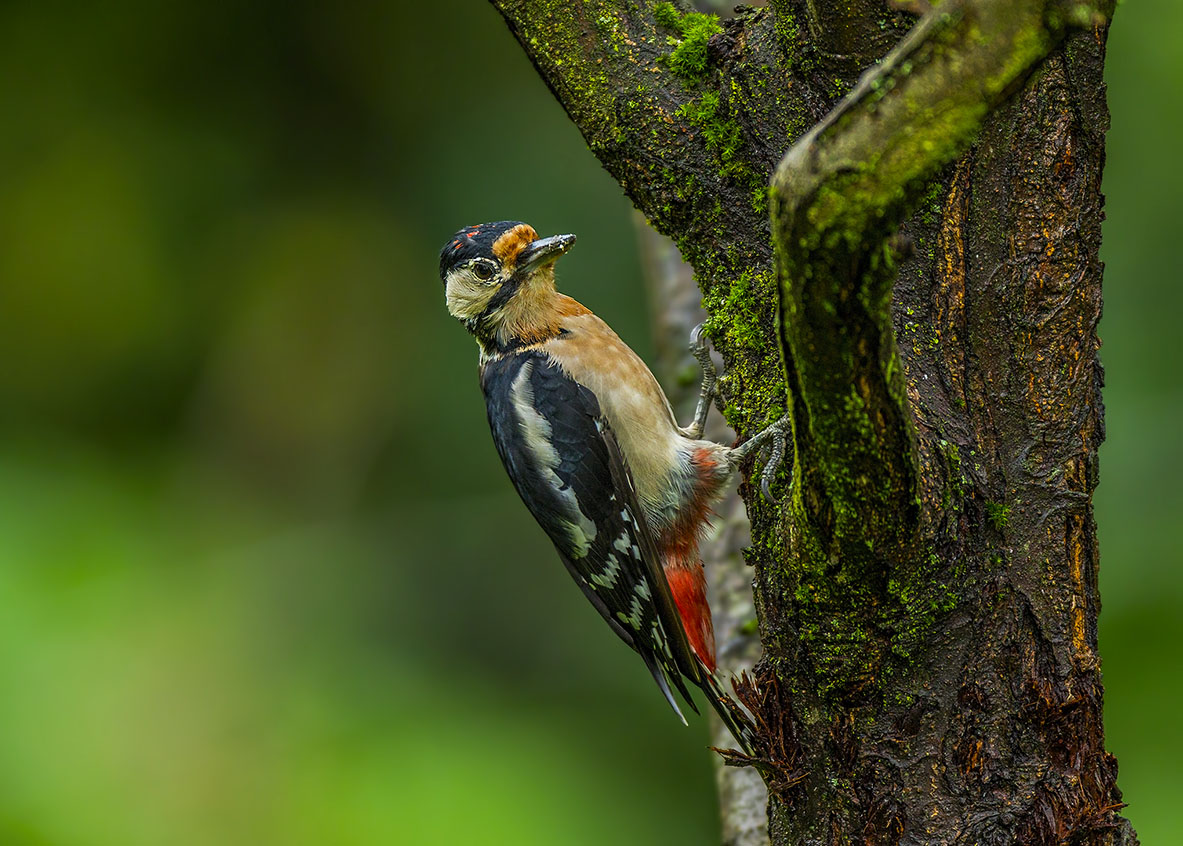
(584, 50)
(689, 113)
(838, 195)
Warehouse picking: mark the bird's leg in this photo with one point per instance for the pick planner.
(701, 350)
(777, 452)
(775, 439)
(772, 441)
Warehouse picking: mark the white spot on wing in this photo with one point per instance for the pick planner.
(607, 577)
(633, 618)
(536, 433)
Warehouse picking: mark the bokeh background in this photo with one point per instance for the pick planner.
(262, 579)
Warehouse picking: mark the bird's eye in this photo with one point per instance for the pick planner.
(482, 271)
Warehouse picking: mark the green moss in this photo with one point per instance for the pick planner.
(694, 29)
(870, 193)
(955, 484)
(953, 453)
(610, 31)
(741, 321)
(1031, 42)
(759, 199)
(834, 612)
(786, 28)
(736, 310)
(839, 87)
(928, 209)
(667, 16)
(1085, 15)
(856, 412)
(922, 594)
(998, 515)
(722, 136)
(557, 31)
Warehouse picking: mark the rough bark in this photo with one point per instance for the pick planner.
(926, 585)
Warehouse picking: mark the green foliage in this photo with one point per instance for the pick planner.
(245, 463)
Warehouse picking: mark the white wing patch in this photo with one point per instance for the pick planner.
(606, 578)
(633, 618)
(536, 432)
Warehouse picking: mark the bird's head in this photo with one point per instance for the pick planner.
(499, 278)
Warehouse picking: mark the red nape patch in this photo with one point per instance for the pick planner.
(689, 588)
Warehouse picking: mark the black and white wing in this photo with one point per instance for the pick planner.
(565, 463)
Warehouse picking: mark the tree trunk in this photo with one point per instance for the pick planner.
(926, 583)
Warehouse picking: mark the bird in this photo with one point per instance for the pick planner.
(591, 444)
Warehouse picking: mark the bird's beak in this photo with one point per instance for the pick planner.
(544, 251)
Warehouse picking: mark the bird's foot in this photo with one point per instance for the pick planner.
(776, 451)
(771, 444)
(700, 348)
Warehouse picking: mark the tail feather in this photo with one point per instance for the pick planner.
(730, 713)
(663, 679)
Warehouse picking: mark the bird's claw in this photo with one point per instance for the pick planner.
(773, 443)
(700, 348)
(777, 446)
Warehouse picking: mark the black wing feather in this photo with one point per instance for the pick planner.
(565, 463)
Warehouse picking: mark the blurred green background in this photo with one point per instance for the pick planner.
(259, 565)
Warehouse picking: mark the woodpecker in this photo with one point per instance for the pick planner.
(591, 444)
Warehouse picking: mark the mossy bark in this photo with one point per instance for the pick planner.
(926, 584)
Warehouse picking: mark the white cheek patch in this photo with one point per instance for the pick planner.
(536, 431)
(467, 300)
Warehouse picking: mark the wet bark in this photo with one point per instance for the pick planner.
(922, 294)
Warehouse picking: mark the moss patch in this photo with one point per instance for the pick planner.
(998, 515)
(667, 16)
(722, 136)
(694, 29)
